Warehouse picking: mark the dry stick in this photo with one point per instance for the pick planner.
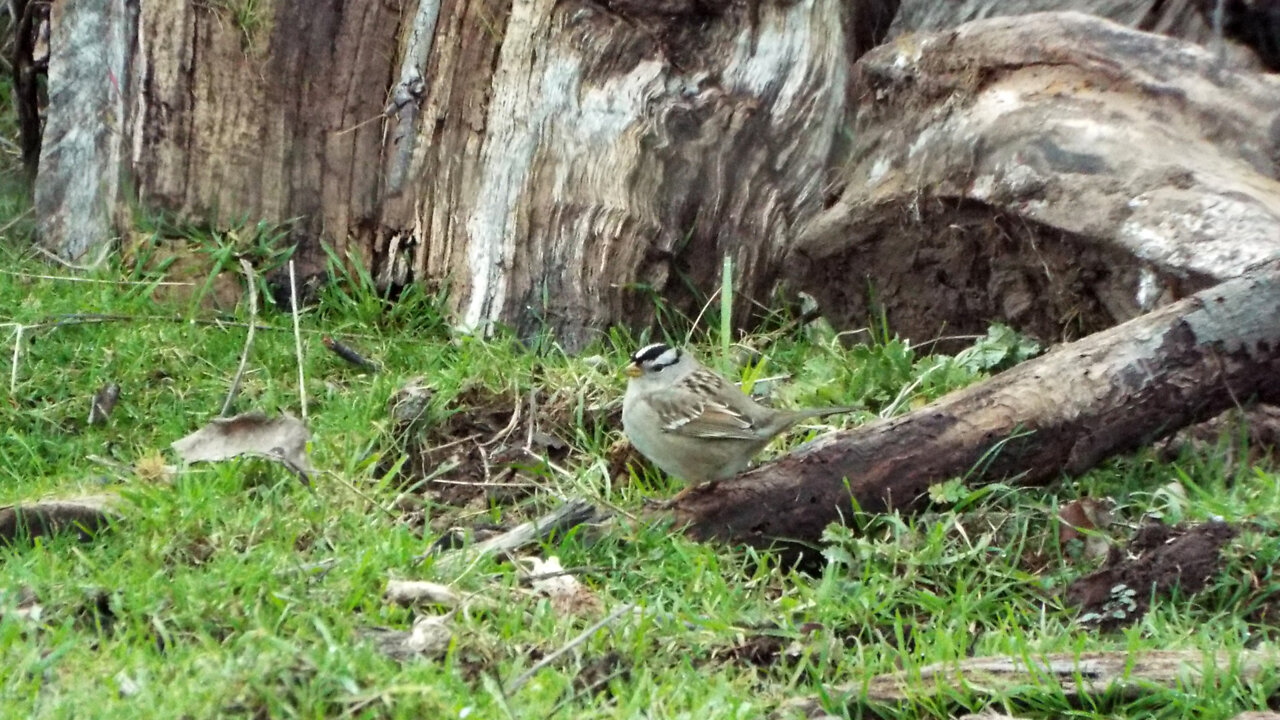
(588, 690)
(94, 318)
(432, 477)
(511, 426)
(701, 312)
(248, 341)
(60, 261)
(17, 355)
(100, 281)
(297, 339)
(16, 218)
(525, 676)
(568, 515)
(361, 124)
(351, 486)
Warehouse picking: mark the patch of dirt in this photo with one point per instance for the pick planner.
(596, 674)
(490, 448)
(958, 266)
(1158, 559)
(182, 262)
(193, 552)
(96, 614)
(770, 644)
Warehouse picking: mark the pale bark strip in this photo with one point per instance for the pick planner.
(1076, 676)
(78, 192)
(406, 96)
(524, 97)
(562, 519)
(1060, 413)
(605, 163)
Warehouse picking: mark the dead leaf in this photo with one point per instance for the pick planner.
(429, 638)
(407, 406)
(26, 606)
(420, 592)
(85, 515)
(1086, 519)
(283, 439)
(104, 401)
(128, 687)
(567, 595)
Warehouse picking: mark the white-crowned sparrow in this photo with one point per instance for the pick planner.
(693, 423)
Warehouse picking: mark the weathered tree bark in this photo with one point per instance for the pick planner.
(79, 199)
(1055, 171)
(1193, 20)
(1059, 413)
(29, 59)
(556, 164)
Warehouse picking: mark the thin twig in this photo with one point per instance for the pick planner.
(360, 124)
(96, 318)
(100, 281)
(16, 219)
(251, 278)
(559, 573)
(297, 339)
(945, 338)
(60, 261)
(514, 686)
(488, 483)
(17, 355)
(714, 294)
(433, 477)
(531, 426)
(511, 425)
(351, 486)
(588, 690)
(569, 515)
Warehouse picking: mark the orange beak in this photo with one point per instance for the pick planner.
(634, 370)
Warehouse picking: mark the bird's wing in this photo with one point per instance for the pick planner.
(683, 410)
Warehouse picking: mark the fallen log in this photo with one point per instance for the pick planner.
(1244, 29)
(1056, 171)
(1075, 675)
(1060, 413)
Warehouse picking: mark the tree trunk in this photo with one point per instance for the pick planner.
(557, 165)
(1059, 413)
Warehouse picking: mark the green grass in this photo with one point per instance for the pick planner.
(204, 601)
